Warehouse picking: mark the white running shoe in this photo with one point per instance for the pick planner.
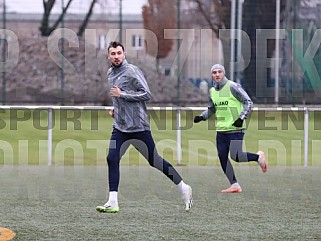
(188, 199)
(262, 161)
(106, 208)
(234, 188)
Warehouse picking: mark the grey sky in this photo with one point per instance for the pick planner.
(78, 6)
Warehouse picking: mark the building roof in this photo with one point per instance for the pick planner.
(36, 17)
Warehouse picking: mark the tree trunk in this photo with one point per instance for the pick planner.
(85, 22)
(44, 27)
(61, 16)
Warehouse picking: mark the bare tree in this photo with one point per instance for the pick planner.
(44, 27)
(64, 11)
(159, 15)
(214, 14)
(86, 20)
(46, 30)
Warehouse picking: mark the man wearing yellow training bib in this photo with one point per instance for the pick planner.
(231, 105)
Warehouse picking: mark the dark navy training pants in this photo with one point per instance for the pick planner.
(232, 142)
(144, 143)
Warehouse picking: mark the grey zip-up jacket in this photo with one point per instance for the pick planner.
(130, 110)
(238, 92)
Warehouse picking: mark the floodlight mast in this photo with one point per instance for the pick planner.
(277, 51)
(4, 54)
(120, 21)
(62, 69)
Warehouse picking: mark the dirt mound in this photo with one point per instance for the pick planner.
(38, 76)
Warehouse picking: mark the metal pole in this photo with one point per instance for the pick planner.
(178, 113)
(179, 139)
(120, 20)
(4, 53)
(62, 73)
(232, 36)
(49, 136)
(178, 55)
(239, 37)
(306, 136)
(277, 51)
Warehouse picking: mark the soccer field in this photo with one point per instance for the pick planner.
(39, 202)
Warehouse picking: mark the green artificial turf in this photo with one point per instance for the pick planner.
(81, 137)
(38, 202)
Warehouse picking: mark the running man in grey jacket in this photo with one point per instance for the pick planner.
(231, 105)
(129, 92)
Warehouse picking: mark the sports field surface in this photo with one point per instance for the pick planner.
(80, 137)
(40, 202)
(57, 202)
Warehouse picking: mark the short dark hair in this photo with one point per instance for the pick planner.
(115, 44)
